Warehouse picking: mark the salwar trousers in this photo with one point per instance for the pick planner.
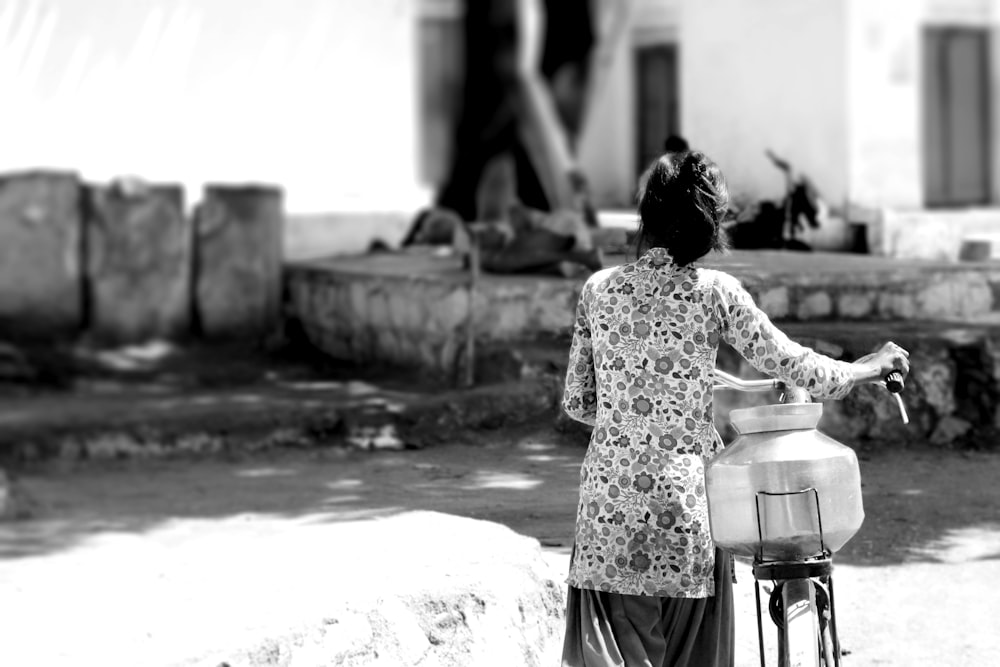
(610, 629)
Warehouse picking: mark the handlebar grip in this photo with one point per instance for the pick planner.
(894, 382)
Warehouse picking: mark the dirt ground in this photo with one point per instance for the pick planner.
(914, 587)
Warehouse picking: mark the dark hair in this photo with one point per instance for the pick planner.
(675, 143)
(683, 199)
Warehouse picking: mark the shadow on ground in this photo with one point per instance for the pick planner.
(921, 505)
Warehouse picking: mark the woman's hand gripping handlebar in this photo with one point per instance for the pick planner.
(889, 366)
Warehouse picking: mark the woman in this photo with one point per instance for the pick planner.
(647, 585)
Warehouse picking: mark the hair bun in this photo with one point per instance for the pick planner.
(681, 206)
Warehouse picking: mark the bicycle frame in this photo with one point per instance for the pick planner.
(804, 640)
(795, 591)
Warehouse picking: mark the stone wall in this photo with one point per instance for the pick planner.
(423, 318)
(934, 293)
(521, 327)
(952, 395)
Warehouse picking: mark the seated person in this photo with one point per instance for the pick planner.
(532, 241)
(433, 227)
(527, 241)
(512, 238)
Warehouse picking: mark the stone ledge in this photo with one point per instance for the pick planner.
(420, 311)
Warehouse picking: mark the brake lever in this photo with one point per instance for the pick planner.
(893, 382)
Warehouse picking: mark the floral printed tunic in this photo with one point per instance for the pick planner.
(642, 366)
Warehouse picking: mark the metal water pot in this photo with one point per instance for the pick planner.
(783, 490)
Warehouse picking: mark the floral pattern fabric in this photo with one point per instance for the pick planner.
(642, 366)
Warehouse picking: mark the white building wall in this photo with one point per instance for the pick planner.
(607, 147)
(833, 85)
(606, 151)
(315, 95)
(767, 74)
(884, 112)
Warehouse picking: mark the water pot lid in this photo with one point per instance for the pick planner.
(779, 417)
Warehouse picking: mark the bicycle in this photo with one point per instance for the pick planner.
(788, 548)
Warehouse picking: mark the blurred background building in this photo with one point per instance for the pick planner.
(883, 104)
(318, 96)
(352, 107)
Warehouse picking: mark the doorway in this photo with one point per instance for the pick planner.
(956, 117)
(657, 101)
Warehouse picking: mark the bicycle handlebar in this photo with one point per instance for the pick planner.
(724, 380)
(892, 382)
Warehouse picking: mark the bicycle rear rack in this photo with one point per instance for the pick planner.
(815, 567)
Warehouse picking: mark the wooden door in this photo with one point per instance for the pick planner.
(956, 117)
(657, 101)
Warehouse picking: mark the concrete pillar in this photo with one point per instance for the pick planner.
(41, 291)
(238, 232)
(138, 262)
